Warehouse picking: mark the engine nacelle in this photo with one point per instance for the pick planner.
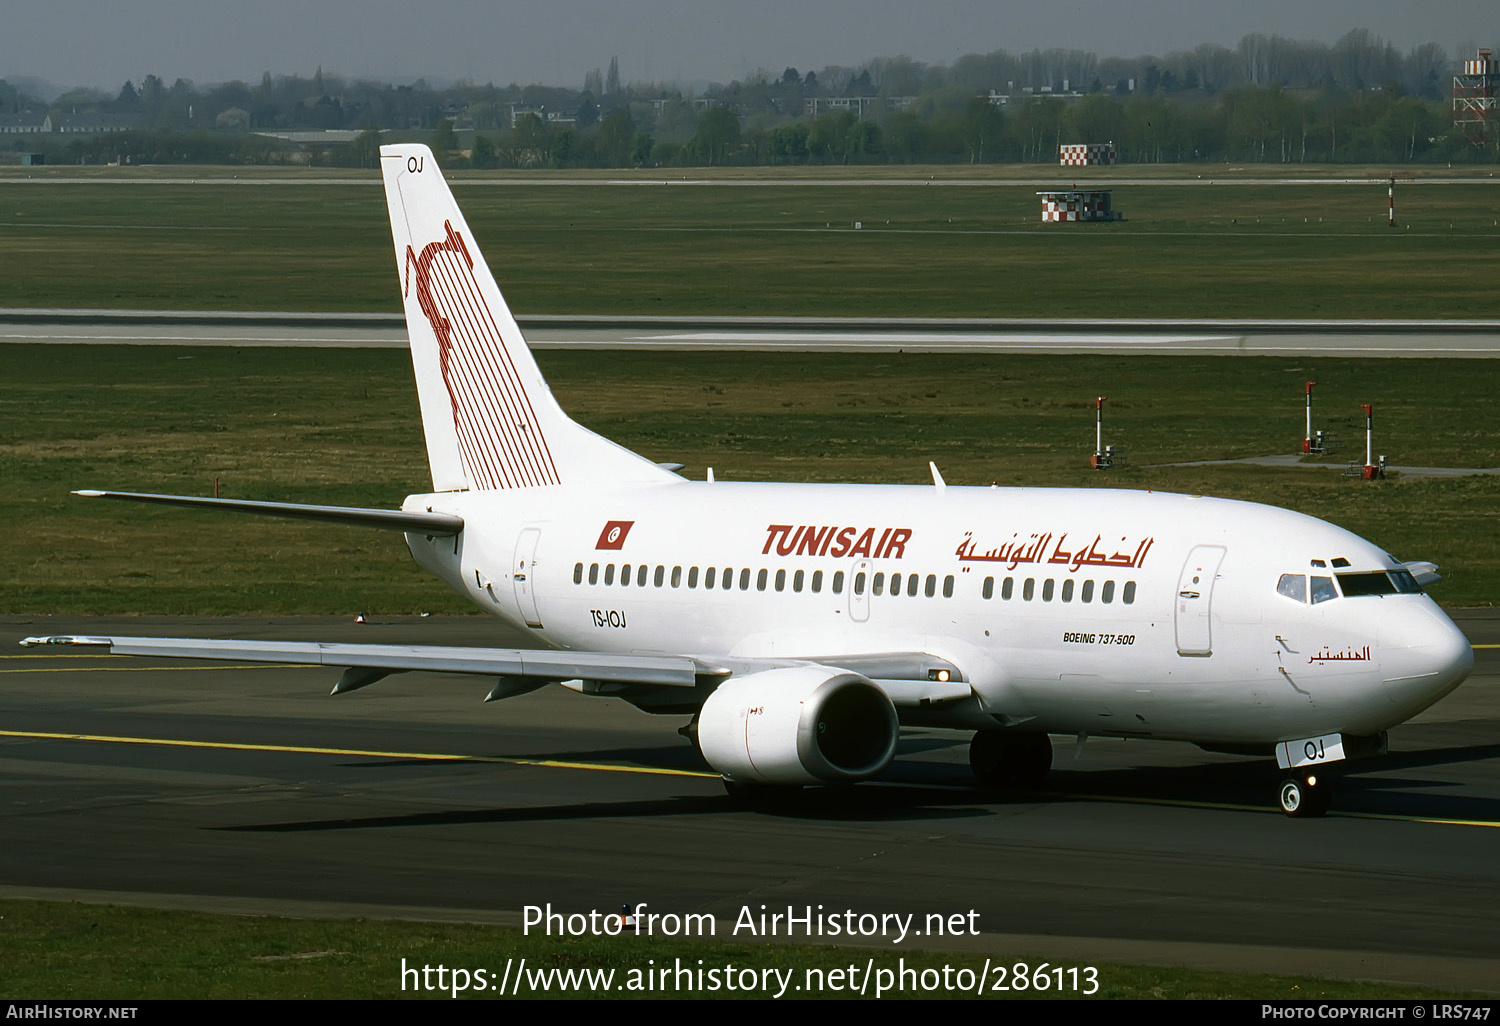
(798, 725)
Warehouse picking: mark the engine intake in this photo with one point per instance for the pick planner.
(798, 725)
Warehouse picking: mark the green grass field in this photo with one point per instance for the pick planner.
(341, 426)
(1241, 249)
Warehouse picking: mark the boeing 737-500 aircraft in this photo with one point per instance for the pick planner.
(800, 625)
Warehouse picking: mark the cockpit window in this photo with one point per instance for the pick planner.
(1293, 586)
(1405, 583)
(1379, 582)
(1323, 589)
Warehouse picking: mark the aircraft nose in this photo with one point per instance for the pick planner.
(1435, 660)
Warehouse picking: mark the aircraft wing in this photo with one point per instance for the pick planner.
(435, 524)
(365, 664)
(907, 678)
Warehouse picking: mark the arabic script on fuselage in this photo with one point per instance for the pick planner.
(1038, 547)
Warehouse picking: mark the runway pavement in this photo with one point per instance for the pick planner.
(250, 789)
(1458, 339)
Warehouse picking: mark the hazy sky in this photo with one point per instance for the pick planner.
(554, 42)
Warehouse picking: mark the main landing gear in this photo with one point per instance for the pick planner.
(1306, 796)
(1005, 758)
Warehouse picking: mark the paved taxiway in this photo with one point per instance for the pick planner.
(249, 789)
(1459, 339)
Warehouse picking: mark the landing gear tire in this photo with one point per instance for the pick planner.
(1305, 797)
(1003, 758)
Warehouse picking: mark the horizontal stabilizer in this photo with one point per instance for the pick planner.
(435, 524)
(1425, 572)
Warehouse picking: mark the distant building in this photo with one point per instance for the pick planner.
(25, 123)
(812, 106)
(96, 123)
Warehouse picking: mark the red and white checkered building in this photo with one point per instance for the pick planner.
(1077, 205)
(1084, 154)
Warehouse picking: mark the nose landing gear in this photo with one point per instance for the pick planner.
(1306, 796)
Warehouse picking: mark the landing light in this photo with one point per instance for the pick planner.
(942, 676)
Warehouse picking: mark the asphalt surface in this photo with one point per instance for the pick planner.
(251, 790)
(1455, 339)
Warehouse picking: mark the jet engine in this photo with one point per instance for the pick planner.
(797, 725)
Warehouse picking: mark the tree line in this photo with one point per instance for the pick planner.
(1269, 99)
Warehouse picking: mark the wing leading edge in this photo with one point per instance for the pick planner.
(908, 679)
(541, 665)
(434, 524)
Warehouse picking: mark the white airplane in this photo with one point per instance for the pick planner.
(801, 625)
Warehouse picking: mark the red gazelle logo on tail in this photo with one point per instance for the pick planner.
(499, 436)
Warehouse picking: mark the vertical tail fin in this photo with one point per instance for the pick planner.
(490, 419)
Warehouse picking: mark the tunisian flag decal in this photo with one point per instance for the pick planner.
(613, 535)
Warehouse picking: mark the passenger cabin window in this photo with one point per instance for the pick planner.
(913, 582)
(1008, 589)
(781, 580)
(593, 573)
(708, 578)
(989, 586)
(625, 576)
(817, 581)
(761, 578)
(895, 584)
(745, 579)
(692, 577)
(859, 584)
(640, 575)
(1088, 591)
(1107, 593)
(1028, 589)
(1129, 596)
(931, 585)
(948, 586)
(879, 585)
(578, 573)
(677, 577)
(838, 582)
(1047, 588)
(661, 576)
(797, 580)
(1067, 594)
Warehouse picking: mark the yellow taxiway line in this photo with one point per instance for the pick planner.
(357, 752)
